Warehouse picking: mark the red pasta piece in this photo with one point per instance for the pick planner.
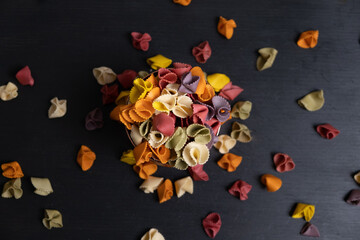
(180, 68)
(141, 41)
(230, 91)
(200, 113)
(214, 124)
(283, 162)
(202, 52)
(164, 124)
(166, 77)
(212, 224)
(240, 189)
(24, 76)
(327, 131)
(109, 93)
(197, 173)
(126, 78)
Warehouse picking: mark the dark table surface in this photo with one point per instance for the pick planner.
(62, 41)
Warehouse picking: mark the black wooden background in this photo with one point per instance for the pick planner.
(62, 41)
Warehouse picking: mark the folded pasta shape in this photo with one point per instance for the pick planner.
(353, 197)
(159, 61)
(12, 188)
(8, 91)
(153, 234)
(153, 94)
(109, 93)
(141, 41)
(127, 77)
(141, 111)
(57, 108)
(165, 191)
(230, 91)
(200, 113)
(214, 138)
(308, 39)
(162, 153)
(85, 158)
(208, 94)
(202, 52)
(197, 71)
(142, 153)
(241, 133)
(164, 124)
(271, 182)
(142, 74)
(310, 230)
(177, 140)
(145, 169)
(210, 112)
(144, 128)
(183, 108)
(313, 101)
(156, 139)
(128, 157)
(182, 2)
(229, 162)
(198, 174)
(180, 68)
(166, 77)
(12, 170)
(42, 186)
(135, 135)
(218, 81)
(189, 83)
(139, 90)
(222, 108)
(225, 143)
(240, 189)
(52, 219)
(104, 75)
(124, 114)
(327, 131)
(200, 133)
(24, 76)
(184, 185)
(164, 103)
(195, 153)
(151, 184)
(357, 177)
(212, 224)
(172, 89)
(303, 210)
(226, 27)
(94, 120)
(283, 162)
(241, 110)
(266, 58)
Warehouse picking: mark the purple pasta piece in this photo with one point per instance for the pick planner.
(189, 83)
(214, 138)
(222, 108)
(211, 112)
(94, 120)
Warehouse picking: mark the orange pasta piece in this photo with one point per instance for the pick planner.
(196, 71)
(308, 39)
(208, 93)
(124, 115)
(271, 182)
(154, 93)
(226, 27)
(85, 158)
(229, 162)
(153, 80)
(145, 169)
(165, 191)
(12, 170)
(114, 115)
(142, 153)
(182, 2)
(162, 153)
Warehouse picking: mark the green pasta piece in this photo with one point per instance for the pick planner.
(177, 140)
(200, 133)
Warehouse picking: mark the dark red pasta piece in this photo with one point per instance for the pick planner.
(283, 162)
(310, 230)
(354, 197)
(165, 77)
(212, 224)
(197, 173)
(240, 189)
(202, 52)
(94, 119)
(180, 68)
(110, 93)
(141, 41)
(327, 131)
(24, 76)
(126, 78)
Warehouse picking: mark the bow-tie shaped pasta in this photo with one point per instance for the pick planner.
(104, 75)
(140, 89)
(141, 110)
(159, 61)
(165, 191)
(308, 39)
(156, 139)
(241, 110)
(189, 83)
(140, 41)
(57, 108)
(226, 27)
(178, 163)
(94, 120)
(240, 132)
(153, 94)
(200, 133)
(200, 113)
(182, 2)
(162, 153)
(310, 230)
(145, 169)
(12, 188)
(283, 162)
(184, 185)
(164, 103)
(197, 71)
(183, 107)
(153, 234)
(177, 140)
(230, 91)
(24, 76)
(85, 158)
(240, 189)
(208, 94)
(180, 68)
(229, 162)
(164, 124)
(8, 91)
(266, 58)
(212, 224)
(166, 77)
(142, 153)
(42, 186)
(202, 52)
(53, 218)
(313, 101)
(225, 143)
(12, 170)
(218, 81)
(145, 128)
(128, 157)
(271, 182)
(135, 135)
(304, 210)
(172, 89)
(195, 153)
(127, 77)
(222, 108)
(151, 184)
(353, 197)
(109, 93)
(198, 174)
(327, 131)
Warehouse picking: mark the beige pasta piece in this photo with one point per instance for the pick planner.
(183, 107)
(57, 108)
(151, 184)
(104, 75)
(12, 188)
(153, 234)
(184, 185)
(241, 110)
(156, 139)
(313, 101)
(164, 103)
(135, 135)
(171, 88)
(357, 177)
(42, 186)
(195, 153)
(266, 58)
(142, 74)
(8, 91)
(52, 219)
(225, 143)
(240, 132)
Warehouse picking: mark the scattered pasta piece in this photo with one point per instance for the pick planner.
(109, 93)
(283, 162)
(241, 110)
(230, 91)
(308, 39)
(135, 135)
(357, 177)
(240, 189)
(225, 143)
(104, 75)
(12, 170)
(151, 184)
(303, 210)
(8, 91)
(327, 131)
(153, 234)
(42, 186)
(128, 157)
(240, 132)
(140, 41)
(24, 76)
(266, 58)
(310, 230)
(145, 169)
(142, 153)
(127, 77)
(226, 27)
(164, 124)
(52, 219)
(222, 108)
(197, 173)
(313, 101)
(142, 74)
(218, 81)
(195, 153)
(200, 133)
(159, 61)
(177, 140)
(58, 108)
(271, 182)
(184, 185)
(94, 120)
(12, 188)
(189, 83)
(229, 162)
(165, 191)
(182, 2)
(354, 197)
(202, 52)
(212, 224)
(85, 158)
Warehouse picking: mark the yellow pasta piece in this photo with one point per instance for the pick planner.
(159, 61)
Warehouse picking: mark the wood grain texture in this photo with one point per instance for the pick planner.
(62, 41)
